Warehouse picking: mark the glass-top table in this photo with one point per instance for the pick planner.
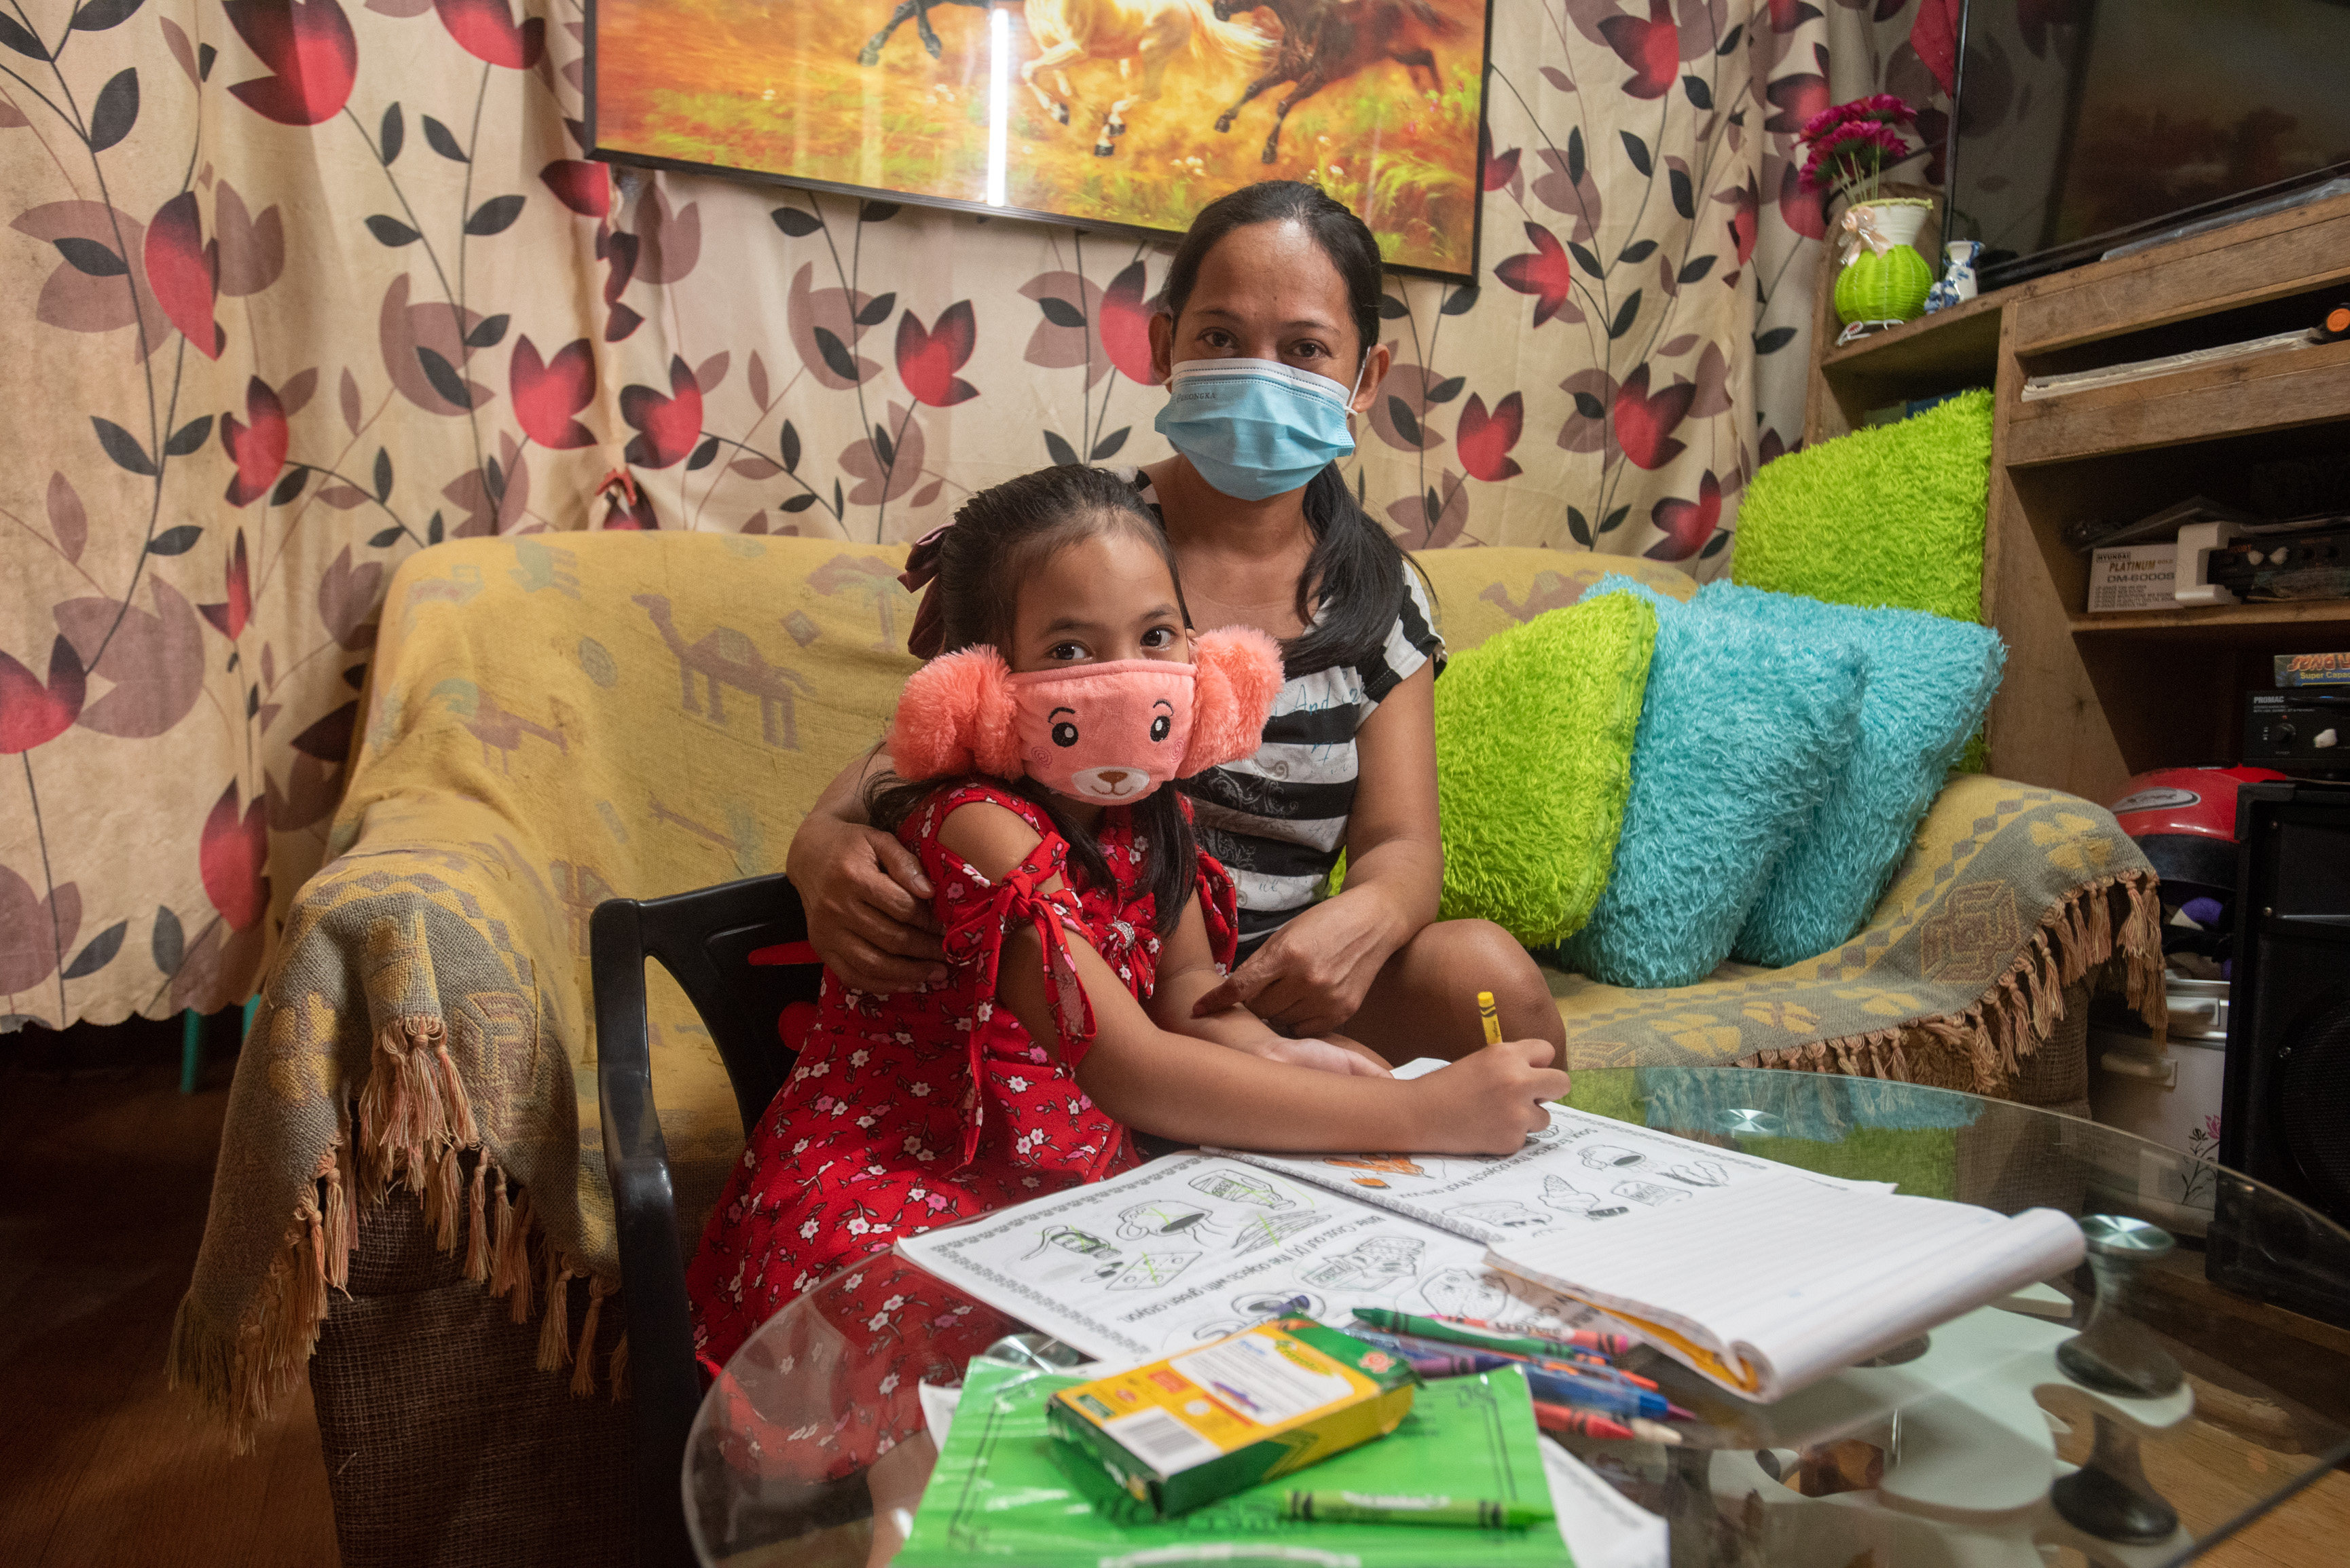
(2134, 1413)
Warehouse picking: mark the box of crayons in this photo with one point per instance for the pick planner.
(1271, 1398)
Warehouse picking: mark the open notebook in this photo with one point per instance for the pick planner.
(1777, 1282)
(1754, 1274)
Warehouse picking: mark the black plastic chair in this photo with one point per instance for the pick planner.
(739, 954)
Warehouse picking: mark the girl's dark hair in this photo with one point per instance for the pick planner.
(1355, 572)
(1001, 537)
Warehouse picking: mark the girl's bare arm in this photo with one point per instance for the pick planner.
(1180, 1088)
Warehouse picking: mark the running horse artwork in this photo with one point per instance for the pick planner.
(1153, 32)
(1095, 113)
(919, 13)
(1328, 41)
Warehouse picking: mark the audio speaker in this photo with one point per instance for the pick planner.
(2284, 1117)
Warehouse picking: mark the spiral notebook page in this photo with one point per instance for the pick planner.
(1778, 1282)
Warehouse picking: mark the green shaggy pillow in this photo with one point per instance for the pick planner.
(1534, 760)
(1890, 517)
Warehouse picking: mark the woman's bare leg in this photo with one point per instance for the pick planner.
(1424, 1003)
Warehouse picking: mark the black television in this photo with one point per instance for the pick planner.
(2079, 126)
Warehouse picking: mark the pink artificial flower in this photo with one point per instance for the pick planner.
(1827, 119)
(1877, 109)
(1853, 152)
(1863, 139)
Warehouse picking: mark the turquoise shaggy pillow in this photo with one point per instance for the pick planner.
(1533, 758)
(1888, 516)
(1929, 680)
(1741, 736)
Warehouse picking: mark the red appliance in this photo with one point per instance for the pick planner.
(2184, 820)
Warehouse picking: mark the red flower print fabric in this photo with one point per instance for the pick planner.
(344, 279)
(910, 1111)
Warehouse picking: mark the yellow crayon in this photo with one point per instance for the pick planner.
(1489, 1018)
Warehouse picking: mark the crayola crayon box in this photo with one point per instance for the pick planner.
(1224, 1416)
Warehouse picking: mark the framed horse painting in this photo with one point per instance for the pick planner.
(1127, 115)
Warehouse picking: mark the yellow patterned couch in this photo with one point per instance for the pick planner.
(554, 721)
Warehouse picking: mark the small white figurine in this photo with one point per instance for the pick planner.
(1958, 280)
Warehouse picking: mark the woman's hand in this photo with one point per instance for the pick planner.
(1310, 976)
(1321, 1055)
(1488, 1103)
(868, 905)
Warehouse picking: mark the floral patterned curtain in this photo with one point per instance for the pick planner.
(293, 289)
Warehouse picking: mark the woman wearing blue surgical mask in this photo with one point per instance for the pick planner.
(1268, 341)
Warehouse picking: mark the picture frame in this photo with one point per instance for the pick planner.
(1001, 108)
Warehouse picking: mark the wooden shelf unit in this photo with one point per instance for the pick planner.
(2090, 699)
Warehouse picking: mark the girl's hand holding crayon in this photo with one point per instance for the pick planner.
(1488, 1103)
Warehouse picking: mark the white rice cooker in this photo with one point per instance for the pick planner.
(2169, 1096)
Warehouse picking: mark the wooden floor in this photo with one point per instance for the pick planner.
(103, 1188)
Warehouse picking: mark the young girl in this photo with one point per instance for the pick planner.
(1082, 922)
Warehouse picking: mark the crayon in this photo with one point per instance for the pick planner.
(1579, 1339)
(1572, 1365)
(1413, 1346)
(1590, 1424)
(1454, 1366)
(1372, 1508)
(1589, 1388)
(1592, 1394)
(1431, 1361)
(1480, 1335)
(1490, 1019)
(1601, 1363)
(1584, 1423)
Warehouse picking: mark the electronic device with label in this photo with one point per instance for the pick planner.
(2314, 565)
(2302, 729)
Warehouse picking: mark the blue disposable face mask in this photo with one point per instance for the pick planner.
(1255, 427)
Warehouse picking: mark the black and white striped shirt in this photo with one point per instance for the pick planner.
(1277, 820)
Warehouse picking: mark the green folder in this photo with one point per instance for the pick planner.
(1001, 1491)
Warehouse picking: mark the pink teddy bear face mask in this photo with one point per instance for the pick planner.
(1107, 733)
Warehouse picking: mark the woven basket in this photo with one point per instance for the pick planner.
(1891, 287)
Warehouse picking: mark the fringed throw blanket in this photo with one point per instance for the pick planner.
(2008, 897)
(551, 723)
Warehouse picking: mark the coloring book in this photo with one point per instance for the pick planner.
(1194, 1246)
(1759, 1276)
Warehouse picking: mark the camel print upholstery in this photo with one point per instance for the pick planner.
(546, 727)
(724, 657)
(487, 722)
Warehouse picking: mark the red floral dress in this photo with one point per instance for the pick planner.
(917, 1109)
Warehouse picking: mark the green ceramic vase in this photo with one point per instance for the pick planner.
(1892, 286)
